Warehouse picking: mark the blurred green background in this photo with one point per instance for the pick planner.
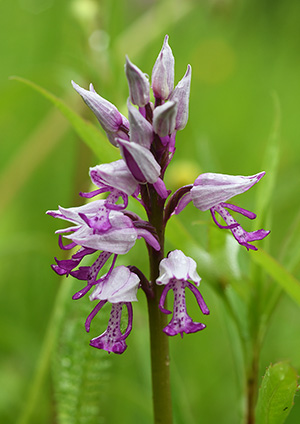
(245, 57)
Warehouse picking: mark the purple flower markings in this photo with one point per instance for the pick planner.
(119, 288)
(211, 191)
(175, 271)
(105, 228)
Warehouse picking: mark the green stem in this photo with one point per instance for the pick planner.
(159, 343)
(160, 363)
(257, 332)
(252, 386)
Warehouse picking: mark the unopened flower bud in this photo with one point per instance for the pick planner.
(106, 113)
(164, 118)
(140, 162)
(181, 94)
(139, 87)
(141, 131)
(121, 133)
(163, 72)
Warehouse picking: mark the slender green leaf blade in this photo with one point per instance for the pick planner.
(265, 189)
(287, 281)
(290, 251)
(276, 394)
(94, 139)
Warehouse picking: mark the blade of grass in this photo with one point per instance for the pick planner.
(286, 280)
(51, 130)
(95, 140)
(270, 163)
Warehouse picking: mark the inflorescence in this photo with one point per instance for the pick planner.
(146, 141)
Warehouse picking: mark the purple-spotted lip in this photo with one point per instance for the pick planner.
(243, 237)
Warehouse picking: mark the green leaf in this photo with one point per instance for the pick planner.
(290, 251)
(287, 281)
(265, 189)
(276, 394)
(94, 139)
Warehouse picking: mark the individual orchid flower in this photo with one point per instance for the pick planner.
(97, 227)
(118, 288)
(116, 178)
(175, 271)
(211, 191)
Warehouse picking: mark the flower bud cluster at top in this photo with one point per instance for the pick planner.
(146, 140)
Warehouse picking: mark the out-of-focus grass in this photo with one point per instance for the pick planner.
(241, 53)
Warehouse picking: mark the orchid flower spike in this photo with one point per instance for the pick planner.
(210, 192)
(175, 271)
(118, 288)
(105, 228)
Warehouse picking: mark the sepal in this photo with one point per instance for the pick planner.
(181, 95)
(141, 131)
(164, 118)
(211, 189)
(106, 113)
(138, 82)
(140, 162)
(163, 72)
(114, 175)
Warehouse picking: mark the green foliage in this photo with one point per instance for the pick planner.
(80, 373)
(270, 164)
(276, 394)
(287, 281)
(88, 133)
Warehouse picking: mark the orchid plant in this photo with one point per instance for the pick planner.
(105, 227)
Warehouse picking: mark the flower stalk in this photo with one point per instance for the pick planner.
(160, 360)
(159, 343)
